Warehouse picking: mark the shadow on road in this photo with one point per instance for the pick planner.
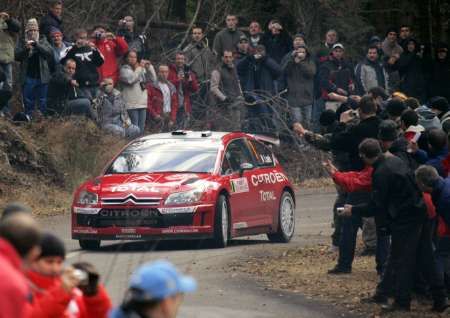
(146, 246)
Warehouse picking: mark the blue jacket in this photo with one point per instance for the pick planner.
(433, 159)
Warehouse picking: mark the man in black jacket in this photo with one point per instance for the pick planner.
(399, 209)
(53, 19)
(88, 58)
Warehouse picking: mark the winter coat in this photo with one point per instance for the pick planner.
(60, 90)
(134, 40)
(132, 83)
(434, 159)
(155, 101)
(73, 305)
(355, 181)
(50, 22)
(258, 74)
(112, 110)
(7, 42)
(396, 200)
(277, 46)
(188, 87)
(111, 50)
(370, 74)
(350, 136)
(412, 81)
(225, 84)
(300, 81)
(427, 118)
(334, 74)
(87, 59)
(445, 121)
(201, 59)
(391, 49)
(46, 59)
(439, 84)
(441, 200)
(226, 40)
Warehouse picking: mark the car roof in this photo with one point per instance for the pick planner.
(196, 135)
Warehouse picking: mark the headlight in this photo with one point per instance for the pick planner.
(86, 197)
(190, 196)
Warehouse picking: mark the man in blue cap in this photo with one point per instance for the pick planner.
(156, 291)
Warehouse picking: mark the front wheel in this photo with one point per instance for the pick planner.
(221, 222)
(89, 244)
(286, 220)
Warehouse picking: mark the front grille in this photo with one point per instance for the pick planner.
(133, 218)
(132, 199)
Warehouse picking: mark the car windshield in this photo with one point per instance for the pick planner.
(160, 155)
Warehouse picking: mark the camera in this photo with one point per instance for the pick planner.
(98, 35)
(82, 276)
(340, 210)
(187, 70)
(143, 86)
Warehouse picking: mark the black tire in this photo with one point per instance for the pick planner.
(284, 233)
(221, 230)
(89, 244)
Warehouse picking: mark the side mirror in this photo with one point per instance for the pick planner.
(245, 166)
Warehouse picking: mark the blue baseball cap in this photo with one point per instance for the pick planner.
(160, 280)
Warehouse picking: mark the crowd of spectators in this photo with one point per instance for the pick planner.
(386, 120)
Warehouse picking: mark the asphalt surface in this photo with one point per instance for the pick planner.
(221, 293)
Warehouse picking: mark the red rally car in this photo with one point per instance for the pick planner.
(187, 185)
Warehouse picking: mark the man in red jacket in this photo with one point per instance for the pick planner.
(47, 276)
(112, 48)
(186, 84)
(163, 100)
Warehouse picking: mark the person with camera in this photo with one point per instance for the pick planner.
(87, 58)
(156, 290)
(72, 291)
(112, 48)
(181, 75)
(8, 28)
(300, 70)
(162, 100)
(36, 57)
(112, 112)
(136, 41)
(135, 74)
(277, 41)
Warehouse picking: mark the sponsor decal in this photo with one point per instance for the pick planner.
(267, 196)
(239, 185)
(128, 236)
(86, 210)
(177, 230)
(266, 158)
(134, 187)
(128, 231)
(129, 213)
(85, 231)
(181, 176)
(187, 209)
(268, 178)
(240, 225)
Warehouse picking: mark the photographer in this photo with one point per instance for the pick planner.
(112, 48)
(185, 81)
(75, 290)
(134, 76)
(136, 41)
(300, 70)
(36, 57)
(87, 58)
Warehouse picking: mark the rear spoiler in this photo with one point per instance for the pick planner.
(267, 139)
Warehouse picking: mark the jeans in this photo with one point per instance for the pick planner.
(443, 260)
(138, 117)
(337, 220)
(318, 108)
(259, 119)
(303, 115)
(90, 92)
(6, 86)
(369, 233)
(34, 90)
(408, 241)
(80, 106)
(130, 132)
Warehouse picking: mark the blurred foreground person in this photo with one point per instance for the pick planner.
(156, 291)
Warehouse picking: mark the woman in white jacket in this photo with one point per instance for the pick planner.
(134, 76)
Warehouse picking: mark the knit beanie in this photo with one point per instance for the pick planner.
(32, 24)
(54, 31)
(300, 35)
(52, 245)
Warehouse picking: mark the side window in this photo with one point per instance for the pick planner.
(263, 155)
(236, 154)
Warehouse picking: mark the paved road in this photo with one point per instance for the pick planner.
(221, 293)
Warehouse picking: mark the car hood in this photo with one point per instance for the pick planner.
(148, 184)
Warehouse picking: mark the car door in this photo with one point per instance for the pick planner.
(244, 207)
(264, 180)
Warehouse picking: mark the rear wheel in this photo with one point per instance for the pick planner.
(89, 244)
(221, 222)
(286, 220)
